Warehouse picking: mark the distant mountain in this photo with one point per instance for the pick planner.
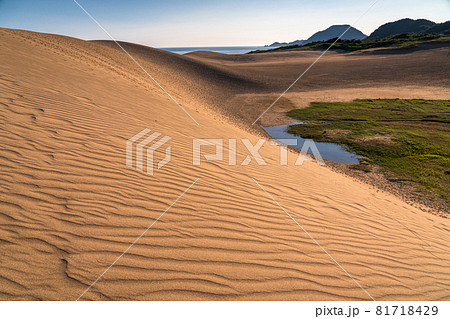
(332, 32)
(419, 26)
(402, 26)
(297, 42)
(440, 28)
(282, 44)
(276, 44)
(336, 31)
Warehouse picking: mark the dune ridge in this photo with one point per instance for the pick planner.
(69, 206)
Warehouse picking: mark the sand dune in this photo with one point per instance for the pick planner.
(69, 206)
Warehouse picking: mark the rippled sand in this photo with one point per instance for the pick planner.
(69, 206)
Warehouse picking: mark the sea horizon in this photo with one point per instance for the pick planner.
(218, 49)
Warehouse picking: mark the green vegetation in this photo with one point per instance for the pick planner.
(408, 138)
(355, 45)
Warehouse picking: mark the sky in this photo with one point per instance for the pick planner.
(176, 23)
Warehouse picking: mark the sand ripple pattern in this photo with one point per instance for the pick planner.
(69, 206)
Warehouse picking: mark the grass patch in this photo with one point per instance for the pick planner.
(409, 138)
(398, 40)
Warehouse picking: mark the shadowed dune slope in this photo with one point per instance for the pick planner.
(69, 206)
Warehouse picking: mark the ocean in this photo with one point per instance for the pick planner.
(226, 50)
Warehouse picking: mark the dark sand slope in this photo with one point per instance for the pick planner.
(69, 206)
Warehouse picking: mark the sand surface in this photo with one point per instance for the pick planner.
(69, 206)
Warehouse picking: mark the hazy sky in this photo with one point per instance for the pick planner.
(209, 22)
